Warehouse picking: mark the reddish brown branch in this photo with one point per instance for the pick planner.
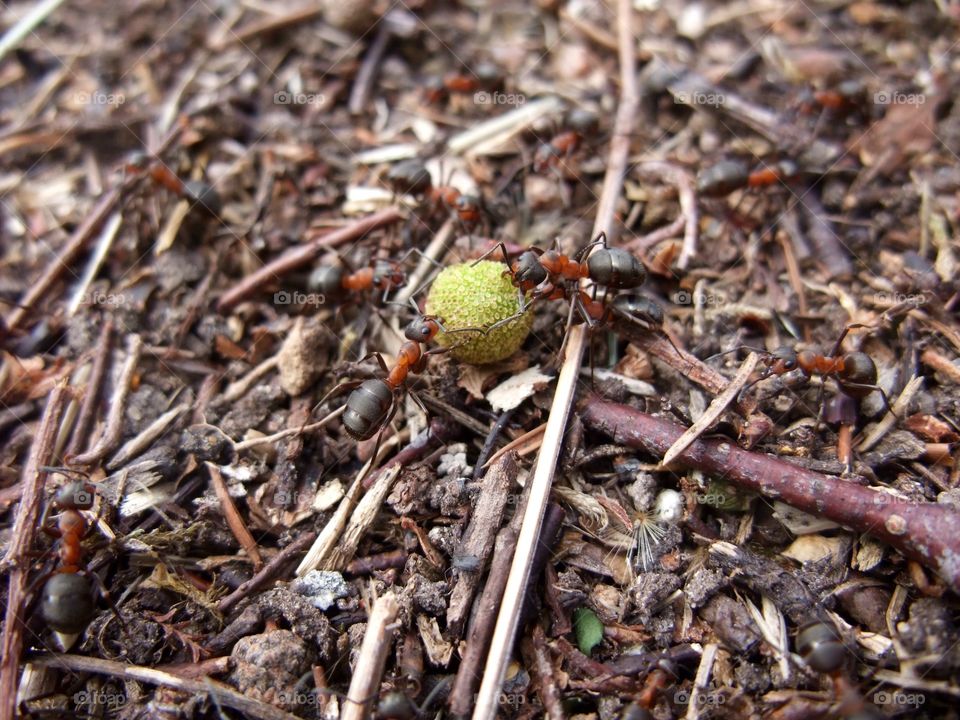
(304, 254)
(926, 532)
(24, 531)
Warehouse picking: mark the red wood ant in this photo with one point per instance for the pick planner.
(580, 124)
(372, 403)
(484, 77)
(854, 372)
(544, 273)
(823, 651)
(337, 283)
(724, 177)
(67, 597)
(411, 177)
(199, 193)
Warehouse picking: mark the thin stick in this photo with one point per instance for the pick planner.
(111, 433)
(91, 395)
(78, 240)
(506, 627)
(222, 694)
(22, 540)
(268, 572)
(136, 445)
(27, 24)
(716, 409)
(373, 657)
(302, 255)
(230, 512)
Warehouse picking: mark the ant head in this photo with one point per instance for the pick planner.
(75, 494)
(421, 329)
(783, 360)
(528, 269)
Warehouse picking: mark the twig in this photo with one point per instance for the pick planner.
(541, 481)
(21, 543)
(373, 657)
(716, 409)
(280, 435)
(363, 81)
(926, 532)
(687, 194)
(362, 517)
(304, 254)
(138, 444)
(239, 388)
(222, 694)
(476, 541)
(268, 25)
(938, 362)
(118, 403)
(490, 441)
(232, 515)
(538, 660)
(268, 572)
(78, 240)
(91, 395)
(104, 243)
(27, 24)
(899, 409)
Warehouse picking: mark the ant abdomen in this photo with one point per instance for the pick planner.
(67, 603)
(616, 268)
(722, 179)
(367, 406)
(858, 369)
(820, 646)
(640, 308)
(326, 280)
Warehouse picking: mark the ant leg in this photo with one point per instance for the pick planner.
(601, 240)
(105, 594)
(380, 360)
(886, 399)
(503, 251)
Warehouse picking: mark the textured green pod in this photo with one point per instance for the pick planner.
(477, 296)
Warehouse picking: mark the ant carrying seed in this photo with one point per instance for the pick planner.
(545, 273)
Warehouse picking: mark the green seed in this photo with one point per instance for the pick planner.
(477, 296)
